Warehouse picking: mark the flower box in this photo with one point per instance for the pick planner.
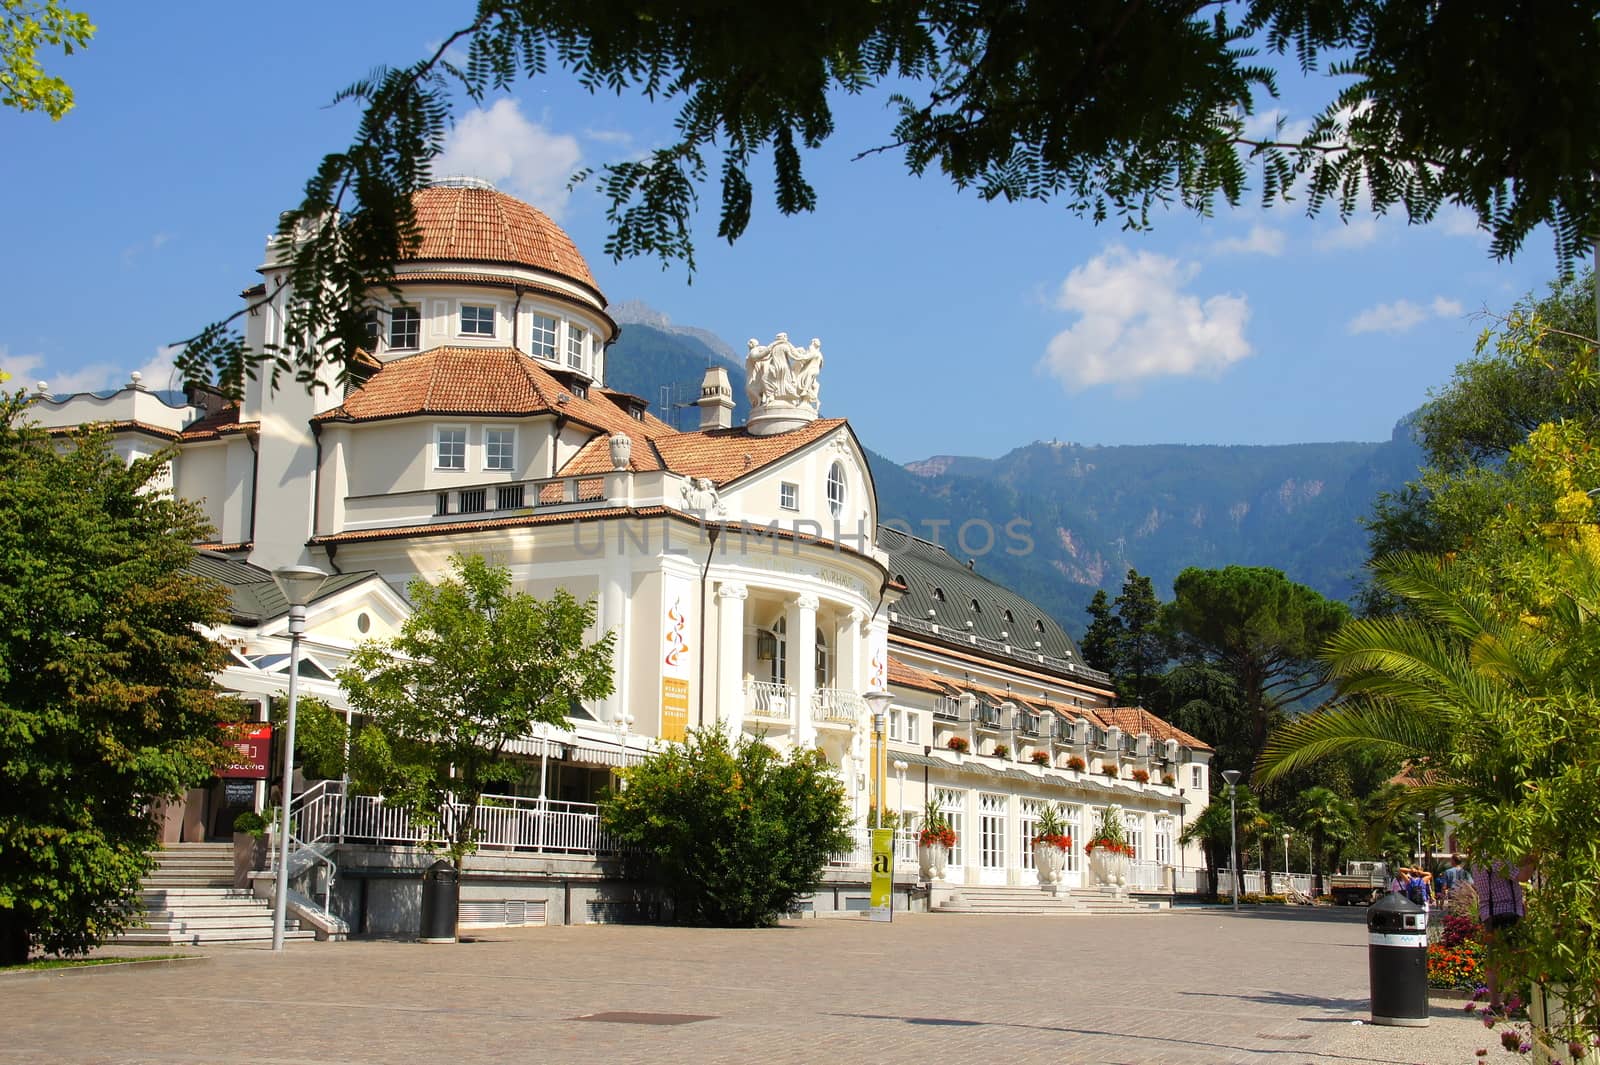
(1077, 764)
(1001, 751)
(1040, 757)
(958, 744)
(1109, 770)
(1141, 776)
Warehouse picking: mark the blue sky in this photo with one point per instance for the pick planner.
(950, 325)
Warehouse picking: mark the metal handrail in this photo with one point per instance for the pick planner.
(765, 698)
(837, 704)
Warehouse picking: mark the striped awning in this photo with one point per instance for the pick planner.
(574, 749)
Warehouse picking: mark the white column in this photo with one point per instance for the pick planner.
(850, 651)
(802, 625)
(730, 654)
(613, 611)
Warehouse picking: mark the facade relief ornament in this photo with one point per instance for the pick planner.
(700, 497)
(783, 384)
(621, 450)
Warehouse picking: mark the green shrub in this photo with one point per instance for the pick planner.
(250, 822)
(733, 833)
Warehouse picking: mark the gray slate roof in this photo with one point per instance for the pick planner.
(254, 594)
(936, 581)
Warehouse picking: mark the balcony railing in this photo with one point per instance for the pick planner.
(988, 715)
(1028, 724)
(837, 705)
(768, 699)
(946, 709)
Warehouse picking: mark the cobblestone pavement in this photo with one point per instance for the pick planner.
(1184, 988)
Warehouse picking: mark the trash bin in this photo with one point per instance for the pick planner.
(441, 903)
(1397, 961)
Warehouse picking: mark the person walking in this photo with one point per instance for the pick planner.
(1500, 908)
(1453, 877)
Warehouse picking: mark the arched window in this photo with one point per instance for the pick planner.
(836, 489)
(780, 661)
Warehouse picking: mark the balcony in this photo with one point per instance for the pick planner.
(768, 700)
(946, 709)
(988, 715)
(836, 706)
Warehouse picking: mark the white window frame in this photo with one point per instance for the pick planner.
(894, 723)
(788, 495)
(912, 727)
(510, 435)
(1196, 777)
(838, 489)
(415, 319)
(952, 802)
(461, 319)
(438, 451)
(543, 341)
(577, 347)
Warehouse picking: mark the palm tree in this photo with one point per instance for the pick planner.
(1324, 816)
(1211, 830)
(1262, 829)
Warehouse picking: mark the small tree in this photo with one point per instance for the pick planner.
(734, 832)
(107, 706)
(474, 667)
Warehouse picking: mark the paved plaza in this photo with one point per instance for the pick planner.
(1197, 986)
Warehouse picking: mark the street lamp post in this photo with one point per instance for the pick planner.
(299, 585)
(1418, 858)
(1286, 873)
(878, 703)
(1232, 778)
(542, 730)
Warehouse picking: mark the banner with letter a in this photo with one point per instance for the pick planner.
(676, 656)
(881, 899)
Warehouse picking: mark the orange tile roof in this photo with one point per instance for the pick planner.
(495, 382)
(1133, 720)
(214, 426)
(725, 455)
(911, 677)
(125, 426)
(483, 225)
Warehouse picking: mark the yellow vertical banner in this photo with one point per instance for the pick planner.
(882, 895)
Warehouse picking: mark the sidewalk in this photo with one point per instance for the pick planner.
(1187, 987)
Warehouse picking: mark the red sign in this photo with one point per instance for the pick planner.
(252, 742)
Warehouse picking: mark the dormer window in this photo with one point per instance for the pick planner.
(977, 607)
(405, 328)
(836, 489)
(542, 338)
(938, 594)
(1009, 618)
(1038, 626)
(477, 321)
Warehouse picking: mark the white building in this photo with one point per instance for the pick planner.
(742, 568)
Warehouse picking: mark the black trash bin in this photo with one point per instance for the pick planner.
(441, 903)
(1397, 961)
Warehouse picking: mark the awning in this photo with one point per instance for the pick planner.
(582, 751)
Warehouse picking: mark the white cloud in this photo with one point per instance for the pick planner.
(1263, 125)
(1402, 316)
(1356, 233)
(1261, 240)
(1456, 221)
(133, 252)
(1136, 322)
(28, 370)
(521, 157)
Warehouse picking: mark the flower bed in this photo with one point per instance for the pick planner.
(1459, 966)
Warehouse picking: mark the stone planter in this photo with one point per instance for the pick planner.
(1049, 861)
(249, 855)
(931, 860)
(1111, 869)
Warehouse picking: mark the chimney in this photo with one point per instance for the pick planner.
(716, 400)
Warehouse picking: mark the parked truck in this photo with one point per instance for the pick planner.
(1359, 884)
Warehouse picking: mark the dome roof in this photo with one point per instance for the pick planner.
(473, 222)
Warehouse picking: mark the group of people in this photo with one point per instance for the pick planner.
(1498, 886)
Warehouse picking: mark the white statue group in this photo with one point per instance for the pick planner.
(782, 373)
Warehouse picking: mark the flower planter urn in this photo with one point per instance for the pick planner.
(1112, 870)
(931, 860)
(1049, 861)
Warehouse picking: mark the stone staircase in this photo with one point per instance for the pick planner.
(1077, 902)
(189, 899)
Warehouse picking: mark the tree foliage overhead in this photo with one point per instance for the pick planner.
(475, 666)
(733, 833)
(1114, 110)
(25, 26)
(107, 707)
